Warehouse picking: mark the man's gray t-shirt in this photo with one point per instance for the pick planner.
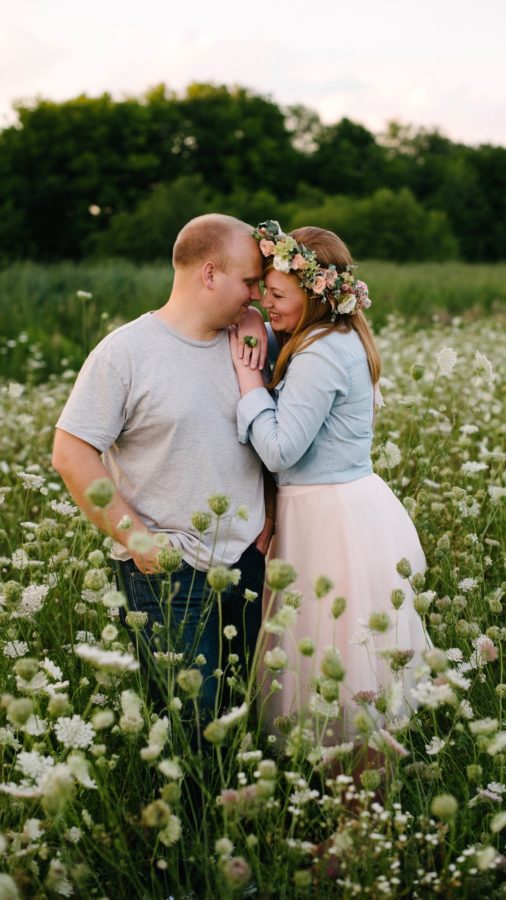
(161, 408)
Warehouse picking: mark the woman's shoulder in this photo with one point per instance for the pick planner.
(346, 344)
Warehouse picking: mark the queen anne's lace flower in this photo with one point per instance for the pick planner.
(74, 732)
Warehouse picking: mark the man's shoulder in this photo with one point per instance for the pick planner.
(123, 336)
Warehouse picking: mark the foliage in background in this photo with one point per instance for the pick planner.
(95, 176)
(39, 304)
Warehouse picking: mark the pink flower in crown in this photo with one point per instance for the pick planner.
(319, 284)
(298, 262)
(331, 277)
(346, 288)
(267, 247)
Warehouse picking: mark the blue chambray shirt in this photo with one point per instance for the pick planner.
(317, 428)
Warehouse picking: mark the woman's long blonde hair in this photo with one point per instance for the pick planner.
(329, 249)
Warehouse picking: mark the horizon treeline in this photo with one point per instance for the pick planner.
(97, 178)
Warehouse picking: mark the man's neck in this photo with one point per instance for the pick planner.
(175, 314)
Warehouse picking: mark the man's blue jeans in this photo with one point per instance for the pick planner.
(189, 622)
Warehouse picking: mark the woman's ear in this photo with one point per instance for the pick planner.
(208, 273)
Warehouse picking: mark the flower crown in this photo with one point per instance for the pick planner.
(345, 295)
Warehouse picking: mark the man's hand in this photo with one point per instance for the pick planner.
(263, 540)
(252, 326)
(147, 562)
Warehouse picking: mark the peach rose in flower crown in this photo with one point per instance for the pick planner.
(267, 247)
(298, 262)
(319, 284)
(331, 277)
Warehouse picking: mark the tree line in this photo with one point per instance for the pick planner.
(97, 177)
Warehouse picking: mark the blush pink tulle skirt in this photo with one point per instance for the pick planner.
(355, 534)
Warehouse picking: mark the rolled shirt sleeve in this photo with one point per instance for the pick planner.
(282, 430)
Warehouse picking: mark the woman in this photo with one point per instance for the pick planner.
(335, 517)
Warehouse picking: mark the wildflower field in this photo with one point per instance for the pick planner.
(100, 798)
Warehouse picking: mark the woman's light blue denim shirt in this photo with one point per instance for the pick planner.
(317, 428)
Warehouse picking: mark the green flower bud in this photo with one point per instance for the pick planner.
(215, 732)
(338, 606)
(422, 604)
(96, 558)
(265, 788)
(58, 705)
(474, 772)
(331, 664)
(306, 646)
(379, 621)
(329, 689)
(171, 793)
(236, 871)
(100, 492)
(19, 710)
(279, 574)
(404, 568)
(190, 681)
(444, 806)
(436, 659)
(267, 769)
(26, 668)
(219, 503)
(418, 581)
(95, 579)
(292, 598)
(170, 559)
(201, 521)
(399, 659)
(156, 814)
(322, 586)
(136, 619)
(417, 371)
(397, 598)
(363, 722)
(370, 779)
(220, 578)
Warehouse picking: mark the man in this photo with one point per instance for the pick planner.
(157, 397)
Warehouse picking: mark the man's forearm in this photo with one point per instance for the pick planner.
(79, 464)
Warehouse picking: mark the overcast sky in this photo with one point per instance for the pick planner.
(432, 63)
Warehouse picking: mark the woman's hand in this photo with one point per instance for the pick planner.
(248, 378)
(252, 333)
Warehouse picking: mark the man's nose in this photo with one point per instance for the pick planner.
(255, 292)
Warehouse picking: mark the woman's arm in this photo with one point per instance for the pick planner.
(281, 432)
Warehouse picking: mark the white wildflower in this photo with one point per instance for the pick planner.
(32, 600)
(15, 649)
(389, 456)
(63, 508)
(482, 367)
(496, 493)
(108, 660)
(467, 584)
(472, 468)
(446, 360)
(433, 695)
(74, 731)
(435, 746)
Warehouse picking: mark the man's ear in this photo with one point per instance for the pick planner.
(208, 274)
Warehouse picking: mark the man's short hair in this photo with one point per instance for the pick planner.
(207, 238)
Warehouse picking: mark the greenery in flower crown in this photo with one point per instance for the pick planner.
(345, 294)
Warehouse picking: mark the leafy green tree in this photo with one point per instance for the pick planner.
(149, 231)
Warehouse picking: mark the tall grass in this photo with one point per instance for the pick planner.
(40, 303)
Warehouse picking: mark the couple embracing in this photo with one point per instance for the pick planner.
(177, 406)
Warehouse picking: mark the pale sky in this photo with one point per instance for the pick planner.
(433, 63)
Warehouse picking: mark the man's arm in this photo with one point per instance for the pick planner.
(79, 464)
